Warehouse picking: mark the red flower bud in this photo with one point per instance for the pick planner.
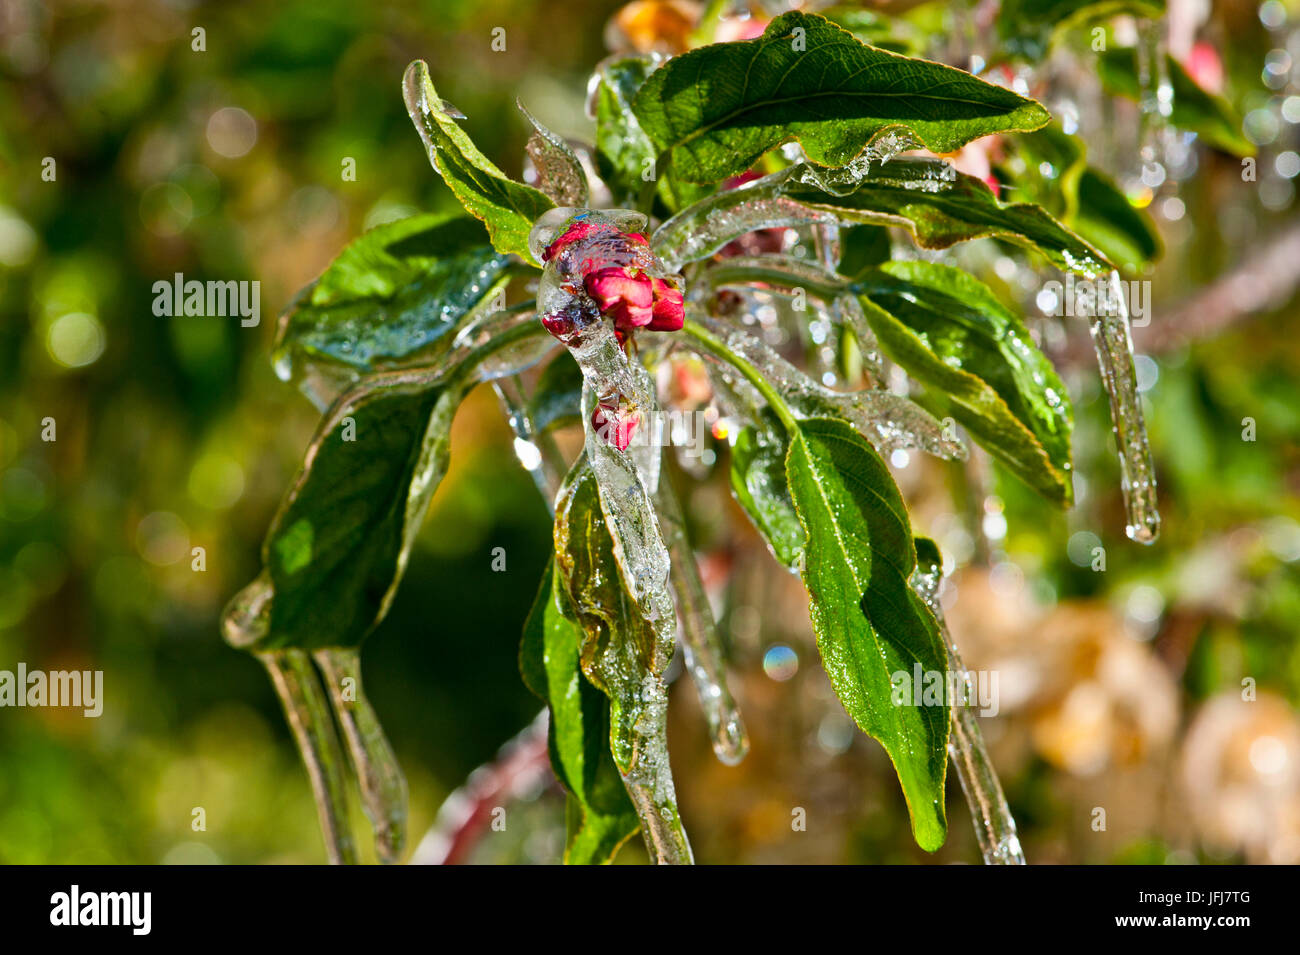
(566, 323)
(575, 233)
(614, 425)
(669, 307)
(622, 295)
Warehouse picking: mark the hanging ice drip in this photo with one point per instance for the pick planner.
(1113, 340)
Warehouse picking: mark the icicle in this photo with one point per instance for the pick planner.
(890, 422)
(307, 711)
(995, 829)
(1155, 101)
(701, 643)
(383, 787)
(1113, 340)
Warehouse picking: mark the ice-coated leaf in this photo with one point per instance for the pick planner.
(1051, 169)
(889, 421)
(625, 656)
(338, 545)
(619, 645)
(870, 625)
(559, 171)
(976, 360)
(758, 482)
(1193, 109)
(624, 154)
(507, 208)
(1029, 28)
(393, 296)
(549, 660)
(942, 206)
(714, 111)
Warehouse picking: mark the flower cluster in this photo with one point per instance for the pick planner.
(624, 291)
(600, 271)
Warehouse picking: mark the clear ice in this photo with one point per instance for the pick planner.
(889, 421)
(559, 171)
(626, 480)
(1113, 340)
(380, 778)
(308, 714)
(701, 642)
(995, 829)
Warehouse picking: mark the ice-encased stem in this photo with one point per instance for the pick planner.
(625, 501)
(995, 828)
(701, 642)
(1113, 340)
(307, 711)
(888, 421)
(649, 781)
(841, 303)
(538, 453)
(383, 787)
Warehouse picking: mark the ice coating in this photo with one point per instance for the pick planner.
(307, 713)
(537, 452)
(630, 665)
(625, 500)
(995, 828)
(487, 328)
(1113, 340)
(559, 172)
(890, 422)
(818, 281)
(700, 230)
(701, 643)
(382, 784)
(572, 315)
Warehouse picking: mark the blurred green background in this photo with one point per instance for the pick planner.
(1121, 689)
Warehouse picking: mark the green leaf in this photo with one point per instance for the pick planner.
(1109, 221)
(1050, 167)
(624, 154)
(619, 648)
(870, 28)
(556, 400)
(976, 360)
(394, 295)
(942, 206)
(870, 626)
(508, 208)
(1194, 110)
(578, 736)
(338, 545)
(1029, 28)
(861, 247)
(716, 110)
(758, 482)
